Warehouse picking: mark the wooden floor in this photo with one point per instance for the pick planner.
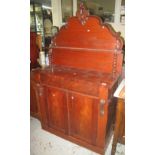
(44, 143)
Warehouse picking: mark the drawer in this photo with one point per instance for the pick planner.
(70, 83)
(82, 86)
(53, 80)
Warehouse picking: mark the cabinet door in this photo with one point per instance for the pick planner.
(57, 109)
(83, 111)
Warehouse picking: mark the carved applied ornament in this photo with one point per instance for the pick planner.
(82, 14)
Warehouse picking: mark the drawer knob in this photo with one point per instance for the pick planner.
(72, 97)
(40, 93)
(53, 95)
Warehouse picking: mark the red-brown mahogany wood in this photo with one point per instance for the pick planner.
(75, 94)
(119, 130)
(34, 51)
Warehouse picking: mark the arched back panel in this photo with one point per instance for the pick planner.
(86, 43)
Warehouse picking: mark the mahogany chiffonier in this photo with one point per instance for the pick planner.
(75, 93)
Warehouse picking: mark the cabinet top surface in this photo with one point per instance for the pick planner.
(74, 74)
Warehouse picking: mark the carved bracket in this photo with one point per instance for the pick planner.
(82, 14)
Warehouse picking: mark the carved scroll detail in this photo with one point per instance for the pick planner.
(82, 14)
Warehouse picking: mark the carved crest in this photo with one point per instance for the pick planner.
(82, 14)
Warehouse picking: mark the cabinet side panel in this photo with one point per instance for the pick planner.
(111, 118)
(33, 99)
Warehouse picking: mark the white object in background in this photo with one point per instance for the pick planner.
(42, 60)
(120, 91)
(47, 60)
(122, 10)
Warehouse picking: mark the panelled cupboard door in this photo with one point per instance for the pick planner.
(83, 112)
(57, 109)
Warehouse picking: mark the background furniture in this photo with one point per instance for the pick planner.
(34, 50)
(35, 45)
(36, 20)
(119, 130)
(41, 19)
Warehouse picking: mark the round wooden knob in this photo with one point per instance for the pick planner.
(53, 95)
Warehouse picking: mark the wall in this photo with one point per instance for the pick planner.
(56, 12)
(57, 15)
(119, 28)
